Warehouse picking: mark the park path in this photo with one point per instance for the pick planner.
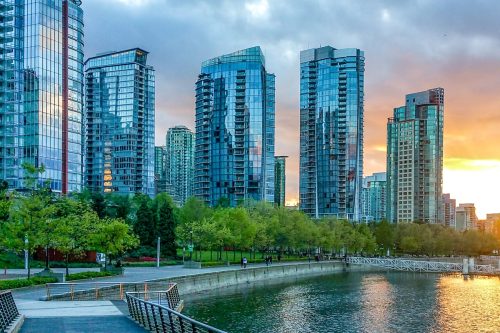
(96, 316)
(137, 274)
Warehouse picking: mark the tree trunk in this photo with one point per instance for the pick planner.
(29, 266)
(66, 259)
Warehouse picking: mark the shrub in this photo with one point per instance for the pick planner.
(19, 283)
(89, 275)
(149, 263)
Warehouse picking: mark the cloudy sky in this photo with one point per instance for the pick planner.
(409, 46)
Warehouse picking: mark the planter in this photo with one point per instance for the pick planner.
(117, 270)
(192, 264)
(61, 277)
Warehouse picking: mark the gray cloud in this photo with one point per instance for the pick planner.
(409, 46)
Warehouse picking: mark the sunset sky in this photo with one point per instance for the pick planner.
(409, 46)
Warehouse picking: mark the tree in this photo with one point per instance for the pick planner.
(112, 237)
(144, 226)
(29, 224)
(166, 226)
(384, 235)
(74, 225)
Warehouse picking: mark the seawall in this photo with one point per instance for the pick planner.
(189, 284)
(209, 281)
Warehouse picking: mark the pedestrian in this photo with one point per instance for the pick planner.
(245, 261)
(267, 260)
(279, 257)
(241, 263)
(271, 260)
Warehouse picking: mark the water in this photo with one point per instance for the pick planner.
(354, 302)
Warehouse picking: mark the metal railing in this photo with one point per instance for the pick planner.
(169, 298)
(98, 291)
(8, 310)
(418, 265)
(156, 317)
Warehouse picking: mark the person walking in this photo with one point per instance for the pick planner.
(245, 261)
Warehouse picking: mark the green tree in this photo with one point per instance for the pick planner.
(166, 226)
(144, 226)
(112, 237)
(384, 235)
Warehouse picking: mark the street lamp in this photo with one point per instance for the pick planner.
(191, 247)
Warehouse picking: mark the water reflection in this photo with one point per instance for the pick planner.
(468, 306)
(377, 297)
(355, 302)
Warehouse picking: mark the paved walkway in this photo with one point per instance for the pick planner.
(95, 316)
(81, 325)
(139, 274)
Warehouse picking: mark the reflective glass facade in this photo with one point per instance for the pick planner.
(120, 105)
(415, 159)
(160, 171)
(180, 163)
(374, 197)
(280, 180)
(449, 210)
(331, 132)
(235, 109)
(41, 91)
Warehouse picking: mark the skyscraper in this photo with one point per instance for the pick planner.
(234, 154)
(280, 180)
(466, 217)
(331, 132)
(449, 210)
(374, 197)
(160, 169)
(41, 91)
(179, 163)
(120, 105)
(415, 159)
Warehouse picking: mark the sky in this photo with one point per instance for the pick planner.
(409, 46)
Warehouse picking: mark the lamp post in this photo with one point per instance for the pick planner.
(191, 248)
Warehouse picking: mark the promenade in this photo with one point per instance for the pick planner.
(97, 316)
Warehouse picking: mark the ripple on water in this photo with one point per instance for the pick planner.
(355, 302)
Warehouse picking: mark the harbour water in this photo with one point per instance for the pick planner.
(354, 302)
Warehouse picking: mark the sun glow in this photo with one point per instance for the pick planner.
(476, 181)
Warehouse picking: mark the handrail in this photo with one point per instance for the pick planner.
(158, 318)
(96, 290)
(418, 265)
(8, 310)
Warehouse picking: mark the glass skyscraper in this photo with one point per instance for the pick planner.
(160, 169)
(374, 197)
(280, 180)
(179, 163)
(331, 132)
(41, 91)
(415, 159)
(235, 109)
(120, 106)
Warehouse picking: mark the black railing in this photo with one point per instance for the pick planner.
(8, 310)
(156, 317)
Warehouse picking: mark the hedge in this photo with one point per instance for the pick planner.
(19, 283)
(89, 275)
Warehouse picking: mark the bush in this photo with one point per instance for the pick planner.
(20, 283)
(89, 275)
(149, 263)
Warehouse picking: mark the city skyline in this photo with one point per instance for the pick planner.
(444, 48)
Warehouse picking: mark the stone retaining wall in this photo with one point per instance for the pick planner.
(208, 281)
